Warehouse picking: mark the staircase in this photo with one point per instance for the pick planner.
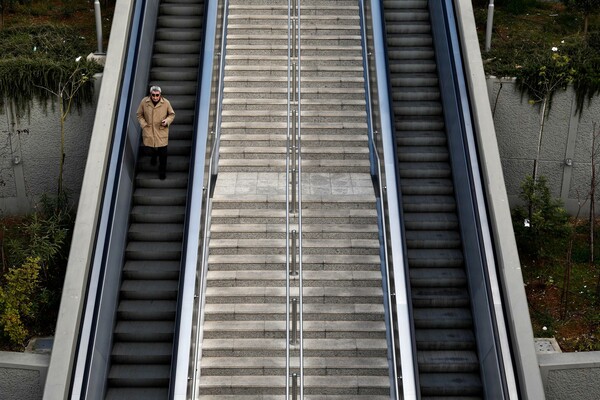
(243, 351)
(143, 334)
(446, 348)
(340, 233)
(244, 337)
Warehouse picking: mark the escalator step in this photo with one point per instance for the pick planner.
(149, 289)
(146, 393)
(139, 375)
(432, 239)
(147, 310)
(450, 384)
(442, 318)
(152, 269)
(448, 361)
(431, 221)
(440, 297)
(144, 331)
(142, 353)
(435, 258)
(438, 277)
(445, 339)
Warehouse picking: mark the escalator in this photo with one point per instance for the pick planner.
(144, 331)
(442, 243)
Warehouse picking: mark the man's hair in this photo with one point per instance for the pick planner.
(155, 89)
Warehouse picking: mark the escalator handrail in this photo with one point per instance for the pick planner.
(196, 207)
(94, 287)
(488, 262)
(400, 290)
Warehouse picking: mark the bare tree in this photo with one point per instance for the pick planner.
(593, 185)
(66, 92)
(586, 7)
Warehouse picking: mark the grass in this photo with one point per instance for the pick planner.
(571, 316)
(78, 14)
(519, 38)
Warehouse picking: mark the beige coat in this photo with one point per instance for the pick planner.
(150, 117)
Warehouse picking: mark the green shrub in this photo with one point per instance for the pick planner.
(541, 226)
(17, 299)
(36, 247)
(39, 59)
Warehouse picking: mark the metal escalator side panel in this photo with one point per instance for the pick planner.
(494, 354)
(507, 258)
(110, 263)
(99, 196)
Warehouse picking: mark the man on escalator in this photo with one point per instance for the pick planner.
(155, 115)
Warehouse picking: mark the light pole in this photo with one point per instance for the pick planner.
(488, 28)
(98, 26)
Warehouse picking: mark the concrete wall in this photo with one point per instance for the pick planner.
(566, 136)
(571, 375)
(22, 375)
(30, 153)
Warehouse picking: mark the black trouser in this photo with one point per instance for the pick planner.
(161, 153)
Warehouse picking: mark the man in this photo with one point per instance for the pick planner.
(155, 114)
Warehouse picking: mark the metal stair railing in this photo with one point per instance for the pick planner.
(206, 173)
(401, 351)
(294, 337)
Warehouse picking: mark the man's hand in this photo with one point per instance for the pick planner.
(164, 122)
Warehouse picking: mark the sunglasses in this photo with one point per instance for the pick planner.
(155, 95)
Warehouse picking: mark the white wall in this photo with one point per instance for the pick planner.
(566, 136)
(30, 154)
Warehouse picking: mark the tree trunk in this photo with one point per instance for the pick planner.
(61, 161)
(536, 161)
(564, 296)
(540, 135)
(592, 196)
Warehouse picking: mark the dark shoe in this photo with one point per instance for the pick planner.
(162, 176)
(153, 160)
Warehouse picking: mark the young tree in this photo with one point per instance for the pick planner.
(65, 92)
(586, 7)
(540, 79)
(593, 184)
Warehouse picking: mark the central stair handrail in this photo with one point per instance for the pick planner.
(299, 202)
(293, 205)
(396, 287)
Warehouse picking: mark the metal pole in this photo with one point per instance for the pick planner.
(293, 190)
(293, 38)
(294, 386)
(294, 339)
(98, 26)
(293, 271)
(488, 28)
(294, 82)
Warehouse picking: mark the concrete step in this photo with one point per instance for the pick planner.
(277, 312)
(311, 329)
(306, 397)
(229, 262)
(313, 366)
(312, 347)
(313, 294)
(310, 278)
(332, 385)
